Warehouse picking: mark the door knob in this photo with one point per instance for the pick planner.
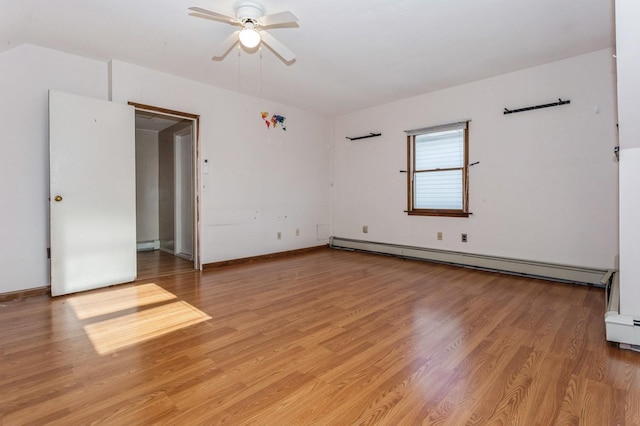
(58, 198)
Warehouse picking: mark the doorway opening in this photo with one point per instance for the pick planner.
(167, 191)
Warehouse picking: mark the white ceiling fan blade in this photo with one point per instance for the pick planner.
(279, 48)
(278, 19)
(226, 46)
(209, 14)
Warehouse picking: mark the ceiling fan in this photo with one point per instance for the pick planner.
(250, 16)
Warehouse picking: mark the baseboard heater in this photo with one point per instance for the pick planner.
(623, 329)
(556, 272)
(147, 245)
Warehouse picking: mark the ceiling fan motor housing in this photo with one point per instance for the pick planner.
(248, 10)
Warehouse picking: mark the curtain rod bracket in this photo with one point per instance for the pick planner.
(552, 104)
(370, 135)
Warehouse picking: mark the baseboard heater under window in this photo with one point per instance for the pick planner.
(556, 272)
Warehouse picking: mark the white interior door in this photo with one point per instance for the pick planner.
(92, 192)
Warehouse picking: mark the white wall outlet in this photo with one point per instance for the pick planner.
(365, 229)
(297, 232)
(279, 235)
(439, 236)
(464, 238)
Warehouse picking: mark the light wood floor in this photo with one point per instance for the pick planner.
(156, 263)
(325, 338)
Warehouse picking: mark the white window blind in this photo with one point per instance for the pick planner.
(438, 190)
(442, 150)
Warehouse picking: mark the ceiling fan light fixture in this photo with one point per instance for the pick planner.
(253, 32)
(249, 37)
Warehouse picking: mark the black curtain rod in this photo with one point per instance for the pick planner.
(560, 102)
(370, 135)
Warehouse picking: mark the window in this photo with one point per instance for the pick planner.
(437, 171)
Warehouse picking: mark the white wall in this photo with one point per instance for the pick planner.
(261, 181)
(26, 74)
(628, 58)
(146, 185)
(546, 186)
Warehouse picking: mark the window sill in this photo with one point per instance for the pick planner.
(442, 213)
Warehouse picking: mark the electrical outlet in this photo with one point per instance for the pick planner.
(365, 229)
(279, 235)
(297, 232)
(464, 238)
(439, 236)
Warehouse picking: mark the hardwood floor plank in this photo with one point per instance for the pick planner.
(547, 389)
(156, 263)
(467, 378)
(516, 392)
(427, 402)
(250, 405)
(321, 362)
(631, 405)
(390, 393)
(325, 337)
(572, 402)
(499, 397)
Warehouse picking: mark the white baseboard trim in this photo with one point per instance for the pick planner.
(166, 250)
(185, 256)
(556, 272)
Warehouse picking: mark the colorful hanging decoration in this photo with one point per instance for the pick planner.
(274, 120)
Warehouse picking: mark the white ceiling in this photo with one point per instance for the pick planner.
(351, 54)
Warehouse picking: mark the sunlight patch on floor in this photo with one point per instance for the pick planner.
(111, 335)
(120, 317)
(98, 303)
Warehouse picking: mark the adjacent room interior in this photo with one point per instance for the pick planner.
(165, 230)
